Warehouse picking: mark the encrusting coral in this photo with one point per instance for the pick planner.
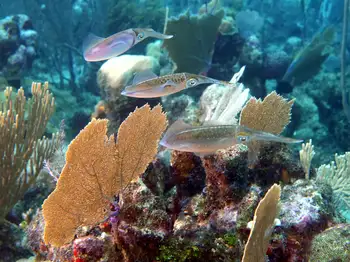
(331, 245)
(22, 148)
(97, 169)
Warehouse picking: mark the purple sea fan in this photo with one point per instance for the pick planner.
(249, 22)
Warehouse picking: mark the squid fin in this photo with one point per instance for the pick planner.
(90, 41)
(167, 83)
(178, 125)
(143, 76)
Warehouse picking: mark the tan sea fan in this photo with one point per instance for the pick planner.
(270, 115)
(97, 168)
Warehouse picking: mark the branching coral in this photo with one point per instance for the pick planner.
(97, 169)
(263, 224)
(337, 175)
(306, 154)
(22, 124)
(231, 102)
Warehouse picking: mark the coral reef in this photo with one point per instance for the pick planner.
(201, 205)
(118, 195)
(17, 45)
(319, 116)
(252, 57)
(180, 106)
(306, 210)
(306, 206)
(249, 22)
(275, 63)
(144, 221)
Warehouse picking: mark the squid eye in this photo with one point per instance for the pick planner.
(192, 82)
(242, 139)
(140, 36)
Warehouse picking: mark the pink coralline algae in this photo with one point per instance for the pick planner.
(306, 210)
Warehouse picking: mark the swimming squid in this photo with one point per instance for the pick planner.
(98, 48)
(207, 139)
(146, 84)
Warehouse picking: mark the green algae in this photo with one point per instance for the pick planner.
(178, 251)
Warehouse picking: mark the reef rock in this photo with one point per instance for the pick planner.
(306, 210)
(332, 244)
(17, 45)
(305, 205)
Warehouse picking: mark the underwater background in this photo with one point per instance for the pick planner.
(117, 188)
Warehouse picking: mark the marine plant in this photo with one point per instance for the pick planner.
(22, 147)
(230, 239)
(192, 48)
(178, 251)
(97, 169)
